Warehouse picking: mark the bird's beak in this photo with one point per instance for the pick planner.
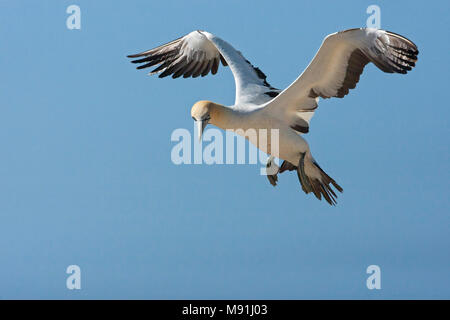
(201, 124)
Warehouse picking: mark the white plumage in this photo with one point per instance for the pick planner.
(335, 70)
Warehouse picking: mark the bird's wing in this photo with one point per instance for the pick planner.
(198, 53)
(336, 69)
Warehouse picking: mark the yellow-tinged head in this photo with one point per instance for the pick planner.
(201, 110)
(204, 112)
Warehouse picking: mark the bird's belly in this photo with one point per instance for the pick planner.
(279, 141)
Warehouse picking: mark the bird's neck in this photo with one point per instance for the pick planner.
(225, 117)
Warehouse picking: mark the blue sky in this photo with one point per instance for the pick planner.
(86, 176)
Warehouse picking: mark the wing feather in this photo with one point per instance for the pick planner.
(337, 68)
(200, 53)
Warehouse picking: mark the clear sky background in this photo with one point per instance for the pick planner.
(86, 176)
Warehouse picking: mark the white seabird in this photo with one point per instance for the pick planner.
(335, 69)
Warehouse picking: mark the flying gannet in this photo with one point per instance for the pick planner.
(335, 69)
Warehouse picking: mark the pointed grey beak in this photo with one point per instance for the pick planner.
(201, 124)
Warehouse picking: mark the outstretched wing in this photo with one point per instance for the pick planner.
(336, 69)
(200, 52)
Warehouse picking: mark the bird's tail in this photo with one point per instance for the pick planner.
(314, 179)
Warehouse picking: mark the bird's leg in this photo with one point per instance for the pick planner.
(272, 170)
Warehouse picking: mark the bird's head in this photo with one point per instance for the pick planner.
(201, 112)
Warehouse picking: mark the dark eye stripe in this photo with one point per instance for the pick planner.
(209, 118)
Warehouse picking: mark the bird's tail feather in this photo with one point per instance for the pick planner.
(314, 179)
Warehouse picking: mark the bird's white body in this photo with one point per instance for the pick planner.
(258, 106)
(268, 127)
(249, 112)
